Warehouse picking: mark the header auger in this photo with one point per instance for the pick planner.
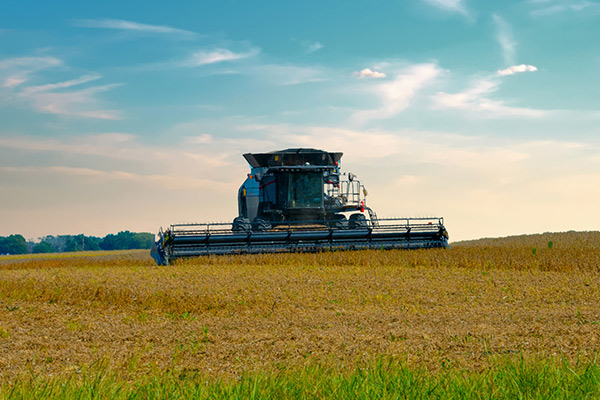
(298, 200)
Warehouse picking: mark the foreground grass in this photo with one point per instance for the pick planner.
(507, 379)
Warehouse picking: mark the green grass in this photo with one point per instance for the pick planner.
(508, 379)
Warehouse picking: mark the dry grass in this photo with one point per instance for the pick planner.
(224, 315)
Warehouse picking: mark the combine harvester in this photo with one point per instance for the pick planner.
(297, 200)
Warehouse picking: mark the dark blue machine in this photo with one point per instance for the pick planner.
(298, 200)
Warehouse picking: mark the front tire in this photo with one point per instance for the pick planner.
(241, 224)
(260, 224)
(358, 221)
(338, 221)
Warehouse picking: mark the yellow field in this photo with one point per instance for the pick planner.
(225, 315)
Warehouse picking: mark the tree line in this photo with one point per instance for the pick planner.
(124, 240)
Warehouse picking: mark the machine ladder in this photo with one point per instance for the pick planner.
(373, 216)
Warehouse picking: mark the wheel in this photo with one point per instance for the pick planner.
(260, 224)
(358, 221)
(338, 221)
(241, 224)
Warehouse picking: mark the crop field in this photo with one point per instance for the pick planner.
(529, 302)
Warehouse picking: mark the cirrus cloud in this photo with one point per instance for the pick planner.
(395, 95)
(217, 55)
(505, 39)
(67, 98)
(476, 98)
(125, 25)
(457, 6)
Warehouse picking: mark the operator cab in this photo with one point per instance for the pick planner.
(295, 186)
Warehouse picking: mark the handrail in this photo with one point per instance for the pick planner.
(291, 226)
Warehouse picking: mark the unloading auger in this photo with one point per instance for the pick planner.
(297, 200)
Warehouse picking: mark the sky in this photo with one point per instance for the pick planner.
(135, 115)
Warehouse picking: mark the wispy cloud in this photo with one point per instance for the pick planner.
(395, 95)
(30, 63)
(173, 182)
(369, 73)
(354, 143)
(60, 98)
(457, 6)
(115, 145)
(125, 150)
(505, 39)
(309, 46)
(76, 103)
(62, 85)
(14, 80)
(217, 55)
(200, 139)
(550, 7)
(125, 25)
(476, 99)
(314, 46)
(516, 69)
(15, 71)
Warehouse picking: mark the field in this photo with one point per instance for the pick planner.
(502, 308)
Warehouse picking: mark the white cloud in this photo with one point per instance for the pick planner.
(506, 39)
(218, 55)
(475, 99)
(457, 6)
(395, 95)
(369, 73)
(516, 69)
(120, 24)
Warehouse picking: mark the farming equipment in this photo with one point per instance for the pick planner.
(298, 200)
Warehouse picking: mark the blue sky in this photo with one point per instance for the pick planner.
(135, 115)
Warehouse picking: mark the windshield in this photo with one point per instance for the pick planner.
(305, 190)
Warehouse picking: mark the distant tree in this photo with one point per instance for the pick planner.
(58, 242)
(13, 244)
(91, 243)
(143, 240)
(43, 247)
(30, 245)
(73, 244)
(126, 240)
(109, 242)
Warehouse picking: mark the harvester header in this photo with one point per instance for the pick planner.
(299, 200)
